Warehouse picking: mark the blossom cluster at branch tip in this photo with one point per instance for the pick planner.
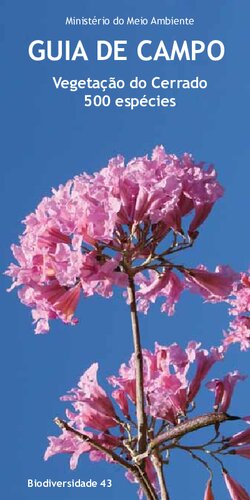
(169, 393)
(96, 229)
(239, 330)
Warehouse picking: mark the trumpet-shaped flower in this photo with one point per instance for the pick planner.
(208, 495)
(205, 360)
(243, 451)
(99, 422)
(85, 237)
(93, 406)
(240, 308)
(224, 390)
(236, 491)
(239, 439)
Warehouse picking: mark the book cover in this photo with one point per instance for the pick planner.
(125, 206)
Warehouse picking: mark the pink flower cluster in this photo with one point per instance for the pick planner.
(169, 394)
(93, 230)
(167, 389)
(240, 308)
(212, 286)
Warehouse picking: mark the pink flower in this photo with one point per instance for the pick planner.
(90, 389)
(236, 491)
(99, 277)
(67, 442)
(205, 361)
(51, 237)
(93, 406)
(174, 355)
(65, 304)
(165, 382)
(84, 235)
(109, 442)
(202, 211)
(121, 399)
(201, 190)
(208, 495)
(224, 390)
(239, 439)
(212, 286)
(71, 444)
(50, 302)
(167, 395)
(168, 286)
(239, 330)
(167, 398)
(241, 303)
(243, 451)
(126, 380)
(167, 389)
(59, 300)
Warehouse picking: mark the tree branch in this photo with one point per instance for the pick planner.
(191, 425)
(158, 465)
(135, 469)
(98, 446)
(157, 462)
(140, 413)
(181, 430)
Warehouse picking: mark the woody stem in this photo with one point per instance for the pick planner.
(158, 466)
(135, 469)
(140, 412)
(191, 425)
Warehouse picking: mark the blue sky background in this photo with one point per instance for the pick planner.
(48, 138)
